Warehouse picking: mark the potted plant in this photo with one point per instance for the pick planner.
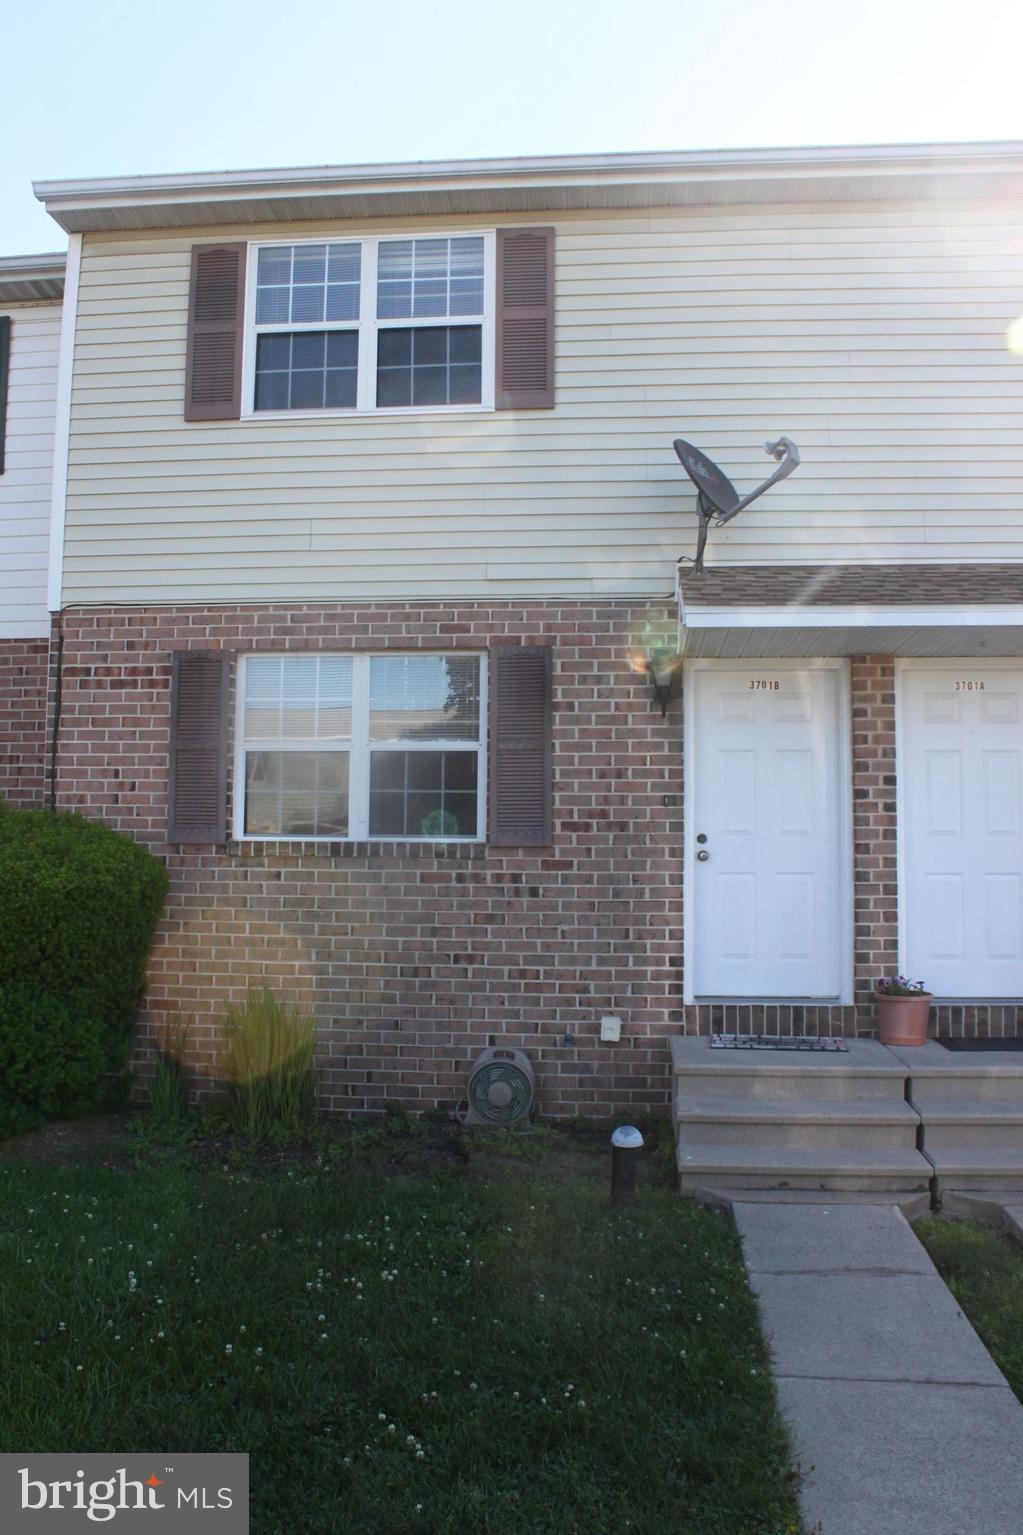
(903, 1008)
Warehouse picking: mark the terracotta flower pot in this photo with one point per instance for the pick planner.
(903, 1020)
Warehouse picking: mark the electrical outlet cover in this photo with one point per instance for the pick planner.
(610, 1029)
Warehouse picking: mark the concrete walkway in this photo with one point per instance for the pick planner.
(902, 1422)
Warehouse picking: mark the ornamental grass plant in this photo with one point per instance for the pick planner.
(266, 1061)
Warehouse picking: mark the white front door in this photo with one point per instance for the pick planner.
(766, 831)
(960, 804)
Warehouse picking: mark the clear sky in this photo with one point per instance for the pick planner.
(118, 87)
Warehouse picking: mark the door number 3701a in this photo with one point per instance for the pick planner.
(764, 685)
(970, 685)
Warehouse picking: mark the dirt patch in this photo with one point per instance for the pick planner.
(104, 1139)
(409, 1149)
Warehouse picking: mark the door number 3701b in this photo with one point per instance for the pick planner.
(764, 685)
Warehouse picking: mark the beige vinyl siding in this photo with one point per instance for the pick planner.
(874, 335)
(27, 477)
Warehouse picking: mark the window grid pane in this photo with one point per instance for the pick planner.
(295, 794)
(425, 278)
(429, 698)
(308, 284)
(310, 370)
(298, 698)
(431, 365)
(423, 794)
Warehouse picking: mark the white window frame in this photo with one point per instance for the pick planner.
(368, 326)
(359, 748)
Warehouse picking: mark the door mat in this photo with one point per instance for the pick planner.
(776, 1042)
(1015, 1043)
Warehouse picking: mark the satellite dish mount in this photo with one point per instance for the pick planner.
(717, 500)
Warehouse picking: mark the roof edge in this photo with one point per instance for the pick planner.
(38, 276)
(81, 204)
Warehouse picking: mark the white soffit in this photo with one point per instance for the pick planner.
(545, 184)
(30, 279)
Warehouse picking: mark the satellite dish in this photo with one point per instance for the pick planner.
(717, 498)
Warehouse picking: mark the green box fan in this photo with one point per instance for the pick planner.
(501, 1089)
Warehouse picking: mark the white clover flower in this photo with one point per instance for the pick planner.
(228, 1348)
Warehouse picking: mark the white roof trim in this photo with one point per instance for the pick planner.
(24, 278)
(538, 183)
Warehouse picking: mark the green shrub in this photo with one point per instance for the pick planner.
(52, 1061)
(266, 1060)
(78, 905)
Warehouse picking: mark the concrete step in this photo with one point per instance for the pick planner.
(867, 1070)
(792, 1167)
(913, 1204)
(944, 1078)
(733, 1119)
(982, 1171)
(980, 1124)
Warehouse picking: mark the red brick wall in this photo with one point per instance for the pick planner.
(875, 828)
(416, 956)
(23, 721)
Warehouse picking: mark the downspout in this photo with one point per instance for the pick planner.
(58, 491)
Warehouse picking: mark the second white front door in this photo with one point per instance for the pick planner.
(766, 838)
(961, 812)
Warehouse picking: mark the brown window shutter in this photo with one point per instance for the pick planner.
(216, 317)
(525, 319)
(5, 362)
(198, 747)
(520, 745)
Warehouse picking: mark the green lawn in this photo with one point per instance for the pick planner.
(403, 1334)
(984, 1271)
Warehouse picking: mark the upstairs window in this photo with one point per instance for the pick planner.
(373, 324)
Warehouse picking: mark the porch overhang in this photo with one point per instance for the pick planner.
(831, 631)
